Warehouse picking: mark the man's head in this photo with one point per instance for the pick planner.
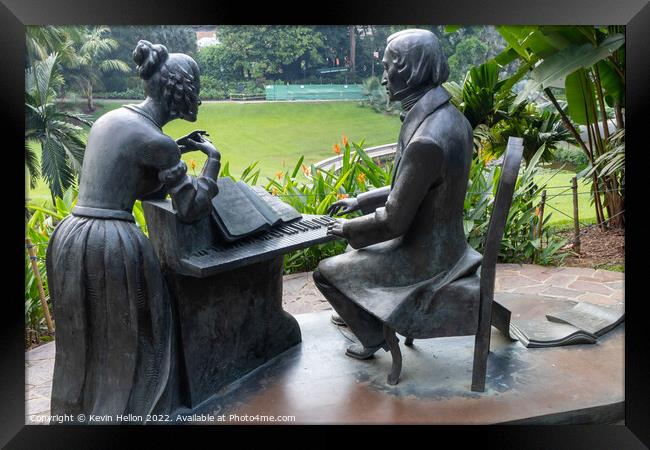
(412, 61)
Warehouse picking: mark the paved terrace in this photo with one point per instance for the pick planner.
(300, 296)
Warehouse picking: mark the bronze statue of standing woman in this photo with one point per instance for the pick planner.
(115, 338)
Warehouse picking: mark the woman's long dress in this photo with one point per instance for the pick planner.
(111, 306)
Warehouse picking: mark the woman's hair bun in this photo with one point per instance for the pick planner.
(149, 57)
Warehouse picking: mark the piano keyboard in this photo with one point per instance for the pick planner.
(309, 230)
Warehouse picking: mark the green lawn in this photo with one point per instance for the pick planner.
(559, 196)
(277, 134)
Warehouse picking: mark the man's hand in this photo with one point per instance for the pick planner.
(336, 228)
(345, 206)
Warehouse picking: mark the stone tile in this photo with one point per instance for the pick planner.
(32, 394)
(597, 299)
(37, 406)
(578, 271)
(560, 280)
(44, 390)
(39, 375)
(506, 283)
(553, 291)
(45, 351)
(618, 296)
(538, 275)
(607, 275)
(514, 267)
(616, 284)
(537, 289)
(588, 286)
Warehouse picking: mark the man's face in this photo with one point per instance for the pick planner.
(395, 85)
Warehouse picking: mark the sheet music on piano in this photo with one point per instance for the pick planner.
(240, 210)
(199, 250)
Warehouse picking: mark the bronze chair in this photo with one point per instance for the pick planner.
(509, 173)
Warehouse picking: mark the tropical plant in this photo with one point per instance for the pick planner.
(58, 134)
(522, 240)
(38, 229)
(487, 103)
(39, 225)
(589, 63)
(42, 41)
(377, 98)
(92, 61)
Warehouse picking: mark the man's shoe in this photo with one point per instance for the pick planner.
(336, 320)
(358, 351)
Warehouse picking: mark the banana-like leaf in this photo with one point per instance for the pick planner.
(574, 57)
(581, 97)
(612, 84)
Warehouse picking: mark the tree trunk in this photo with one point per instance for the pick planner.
(619, 116)
(89, 98)
(353, 48)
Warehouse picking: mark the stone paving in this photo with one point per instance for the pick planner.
(301, 296)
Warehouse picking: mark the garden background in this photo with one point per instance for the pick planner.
(560, 88)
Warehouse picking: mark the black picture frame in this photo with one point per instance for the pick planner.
(635, 14)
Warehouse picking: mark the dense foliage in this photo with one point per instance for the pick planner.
(312, 191)
(589, 63)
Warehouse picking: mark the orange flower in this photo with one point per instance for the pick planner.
(278, 174)
(306, 170)
(361, 178)
(342, 196)
(192, 164)
(274, 191)
(345, 141)
(537, 211)
(337, 149)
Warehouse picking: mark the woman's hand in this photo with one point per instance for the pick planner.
(183, 142)
(336, 228)
(205, 146)
(345, 206)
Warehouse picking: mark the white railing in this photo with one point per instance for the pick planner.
(374, 152)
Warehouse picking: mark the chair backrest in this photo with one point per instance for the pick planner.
(502, 202)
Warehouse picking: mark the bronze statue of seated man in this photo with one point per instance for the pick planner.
(411, 256)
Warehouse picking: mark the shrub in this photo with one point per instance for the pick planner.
(40, 224)
(573, 155)
(312, 191)
(376, 97)
(128, 94)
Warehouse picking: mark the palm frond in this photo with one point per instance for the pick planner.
(116, 65)
(31, 162)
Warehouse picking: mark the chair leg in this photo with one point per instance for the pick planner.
(395, 353)
(481, 351)
(408, 342)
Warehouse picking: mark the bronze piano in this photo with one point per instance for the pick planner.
(227, 296)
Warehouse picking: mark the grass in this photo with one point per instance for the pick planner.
(277, 134)
(559, 197)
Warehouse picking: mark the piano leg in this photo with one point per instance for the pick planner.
(230, 323)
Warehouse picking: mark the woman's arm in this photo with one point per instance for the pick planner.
(419, 169)
(191, 196)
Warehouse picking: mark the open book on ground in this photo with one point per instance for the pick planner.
(538, 321)
(240, 210)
